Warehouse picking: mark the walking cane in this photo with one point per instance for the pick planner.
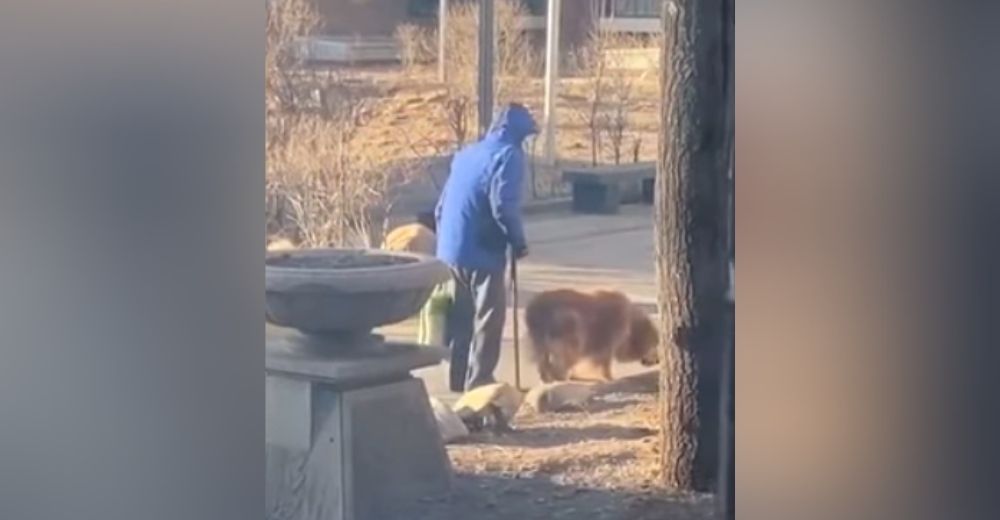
(517, 335)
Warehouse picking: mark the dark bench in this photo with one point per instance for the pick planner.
(602, 189)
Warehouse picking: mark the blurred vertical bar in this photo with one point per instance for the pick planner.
(442, 40)
(553, 20)
(131, 306)
(486, 55)
(727, 471)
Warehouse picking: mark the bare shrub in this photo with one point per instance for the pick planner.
(461, 47)
(457, 110)
(458, 103)
(416, 45)
(636, 147)
(617, 114)
(335, 192)
(610, 93)
(516, 59)
(324, 187)
(589, 62)
(287, 23)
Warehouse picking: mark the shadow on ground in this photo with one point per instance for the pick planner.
(619, 394)
(612, 402)
(550, 436)
(647, 382)
(502, 498)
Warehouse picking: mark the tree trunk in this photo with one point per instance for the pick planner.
(691, 264)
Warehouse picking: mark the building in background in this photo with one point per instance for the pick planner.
(633, 16)
(364, 28)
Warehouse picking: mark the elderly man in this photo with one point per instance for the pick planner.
(478, 220)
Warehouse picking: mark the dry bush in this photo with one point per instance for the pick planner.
(287, 22)
(416, 45)
(323, 186)
(610, 93)
(334, 191)
(458, 104)
(457, 110)
(516, 59)
(616, 118)
(461, 45)
(588, 62)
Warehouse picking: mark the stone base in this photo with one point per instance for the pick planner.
(350, 455)
(366, 361)
(350, 434)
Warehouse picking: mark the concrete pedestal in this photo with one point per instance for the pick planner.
(350, 434)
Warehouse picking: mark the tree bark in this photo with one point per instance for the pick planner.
(691, 255)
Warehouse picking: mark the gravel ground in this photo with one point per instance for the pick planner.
(600, 463)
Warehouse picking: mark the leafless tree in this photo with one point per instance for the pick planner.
(457, 110)
(590, 63)
(616, 120)
(609, 99)
(337, 192)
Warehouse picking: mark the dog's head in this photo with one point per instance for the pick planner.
(644, 339)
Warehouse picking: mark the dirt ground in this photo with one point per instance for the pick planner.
(595, 464)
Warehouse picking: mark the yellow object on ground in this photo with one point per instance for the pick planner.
(490, 406)
(560, 396)
(414, 238)
(281, 244)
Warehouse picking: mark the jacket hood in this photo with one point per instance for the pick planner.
(512, 123)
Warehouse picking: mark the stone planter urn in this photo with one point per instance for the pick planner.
(350, 433)
(330, 291)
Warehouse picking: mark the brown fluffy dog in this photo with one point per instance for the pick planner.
(575, 335)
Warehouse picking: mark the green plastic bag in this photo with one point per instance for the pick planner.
(433, 315)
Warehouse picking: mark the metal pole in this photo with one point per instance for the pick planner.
(551, 78)
(486, 44)
(442, 39)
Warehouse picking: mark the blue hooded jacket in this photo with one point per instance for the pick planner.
(479, 211)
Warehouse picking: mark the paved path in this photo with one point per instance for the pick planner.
(570, 251)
